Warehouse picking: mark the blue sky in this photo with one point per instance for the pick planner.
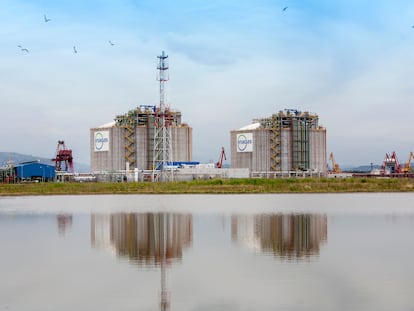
(349, 61)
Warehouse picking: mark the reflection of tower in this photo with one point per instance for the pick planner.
(146, 239)
(162, 162)
(165, 293)
(286, 236)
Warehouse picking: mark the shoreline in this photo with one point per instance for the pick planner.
(215, 186)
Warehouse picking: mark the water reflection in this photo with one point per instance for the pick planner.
(367, 264)
(292, 236)
(64, 222)
(150, 239)
(159, 239)
(143, 238)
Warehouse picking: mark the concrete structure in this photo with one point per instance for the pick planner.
(128, 142)
(289, 141)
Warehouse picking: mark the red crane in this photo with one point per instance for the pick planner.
(390, 165)
(63, 155)
(219, 164)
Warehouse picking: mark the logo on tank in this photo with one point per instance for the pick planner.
(244, 142)
(101, 141)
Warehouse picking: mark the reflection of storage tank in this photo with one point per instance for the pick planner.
(285, 236)
(145, 239)
(136, 236)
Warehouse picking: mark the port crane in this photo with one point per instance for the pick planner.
(335, 166)
(407, 166)
(219, 164)
(63, 156)
(390, 165)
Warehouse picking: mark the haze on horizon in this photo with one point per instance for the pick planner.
(349, 61)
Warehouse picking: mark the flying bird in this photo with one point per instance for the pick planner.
(46, 19)
(285, 8)
(110, 42)
(23, 49)
(75, 50)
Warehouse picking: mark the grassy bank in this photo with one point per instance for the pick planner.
(306, 185)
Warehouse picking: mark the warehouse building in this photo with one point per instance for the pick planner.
(34, 171)
(288, 141)
(127, 143)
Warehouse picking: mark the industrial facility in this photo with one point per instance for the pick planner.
(147, 138)
(151, 143)
(37, 171)
(286, 143)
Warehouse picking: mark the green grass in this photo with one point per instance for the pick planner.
(248, 185)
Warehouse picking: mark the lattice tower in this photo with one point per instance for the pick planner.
(162, 168)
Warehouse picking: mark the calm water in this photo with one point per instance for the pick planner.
(208, 252)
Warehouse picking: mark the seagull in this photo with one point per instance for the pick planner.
(23, 49)
(285, 8)
(110, 42)
(46, 19)
(74, 49)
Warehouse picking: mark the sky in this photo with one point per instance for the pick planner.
(349, 61)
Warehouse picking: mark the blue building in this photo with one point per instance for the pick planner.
(35, 171)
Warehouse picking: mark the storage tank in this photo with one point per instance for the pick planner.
(287, 141)
(128, 141)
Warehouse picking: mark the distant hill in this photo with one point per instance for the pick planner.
(364, 168)
(17, 158)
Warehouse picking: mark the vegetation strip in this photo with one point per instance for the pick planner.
(216, 186)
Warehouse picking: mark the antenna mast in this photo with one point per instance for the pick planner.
(162, 163)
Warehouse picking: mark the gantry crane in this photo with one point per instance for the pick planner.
(219, 164)
(63, 155)
(407, 166)
(391, 165)
(335, 166)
